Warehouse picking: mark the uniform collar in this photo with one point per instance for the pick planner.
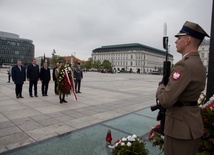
(185, 55)
(190, 54)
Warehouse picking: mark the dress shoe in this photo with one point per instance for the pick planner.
(31, 95)
(35, 95)
(43, 94)
(46, 95)
(76, 92)
(61, 101)
(21, 97)
(79, 92)
(64, 101)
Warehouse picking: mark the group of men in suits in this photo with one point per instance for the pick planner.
(33, 76)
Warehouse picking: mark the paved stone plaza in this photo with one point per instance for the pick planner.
(104, 97)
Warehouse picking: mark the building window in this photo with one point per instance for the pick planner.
(16, 52)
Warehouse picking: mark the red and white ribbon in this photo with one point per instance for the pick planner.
(71, 83)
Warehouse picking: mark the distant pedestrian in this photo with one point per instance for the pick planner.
(78, 75)
(55, 79)
(9, 72)
(33, 77)
(18, 77)
(45, 77)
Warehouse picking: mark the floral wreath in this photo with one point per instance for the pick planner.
(129, 146)
(156, 139)
(66, 81)
(207, 112)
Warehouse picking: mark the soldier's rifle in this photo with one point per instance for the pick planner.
(166, 74)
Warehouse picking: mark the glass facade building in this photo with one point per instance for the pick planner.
(13, 48)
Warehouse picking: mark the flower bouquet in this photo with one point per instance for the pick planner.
(206, 146)
(131, 145)
(156, 138)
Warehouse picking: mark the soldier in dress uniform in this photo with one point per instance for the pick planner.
(183, 125)
(78, 75)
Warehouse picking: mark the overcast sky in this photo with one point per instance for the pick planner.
(79, 26)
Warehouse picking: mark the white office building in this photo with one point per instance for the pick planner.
(204, 49)
(132, 57)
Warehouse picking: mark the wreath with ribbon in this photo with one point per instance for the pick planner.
(66, 81)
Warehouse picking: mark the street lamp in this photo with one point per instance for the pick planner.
(71, 60)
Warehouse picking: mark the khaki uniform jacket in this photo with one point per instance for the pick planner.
(186, 82)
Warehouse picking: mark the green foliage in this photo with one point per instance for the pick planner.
(207, 141)
(88, 64)
(56, 58)
(206, 146)
(106, 64)
(96, 64)
(156, 139)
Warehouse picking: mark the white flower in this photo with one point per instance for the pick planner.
(134, 136)
(202, 96)
(211, 98)
(130, 139)
(124, 139)
(122, 144)
(129, 144)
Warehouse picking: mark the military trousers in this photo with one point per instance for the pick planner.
(174, 146)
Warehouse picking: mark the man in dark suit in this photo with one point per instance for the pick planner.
(18, 76)
(45, 77)
(33, 77)
(78, 75)
(183, 125)
(55, 79)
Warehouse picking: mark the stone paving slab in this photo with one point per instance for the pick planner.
(104, 96)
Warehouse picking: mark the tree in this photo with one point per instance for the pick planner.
(55, 59)
(96, 64)
(88, 64)
(106, 64)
